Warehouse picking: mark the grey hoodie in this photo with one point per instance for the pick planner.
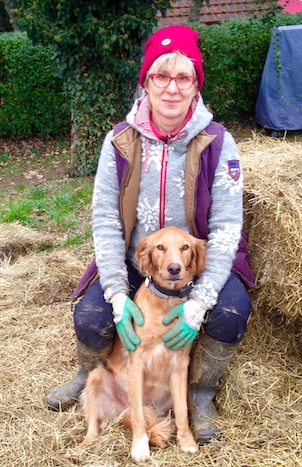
(226, 215)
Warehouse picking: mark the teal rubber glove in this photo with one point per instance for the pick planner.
(189, 316)
(125, 311)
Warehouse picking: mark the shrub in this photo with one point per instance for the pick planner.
(234, 54)
(98, 47)
(31, 97)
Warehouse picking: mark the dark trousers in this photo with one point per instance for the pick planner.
(226, 322)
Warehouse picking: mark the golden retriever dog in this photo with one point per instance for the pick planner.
(140, 388)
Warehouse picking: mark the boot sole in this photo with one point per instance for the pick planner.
(57, 405)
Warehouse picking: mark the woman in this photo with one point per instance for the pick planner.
(169, 164)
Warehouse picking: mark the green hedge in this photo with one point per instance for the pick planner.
(234, 54)
(32, 101)
(31, 98)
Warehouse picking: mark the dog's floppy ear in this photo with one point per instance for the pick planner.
(142, 257)
(199, 257)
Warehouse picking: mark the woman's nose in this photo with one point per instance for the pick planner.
(172, 86)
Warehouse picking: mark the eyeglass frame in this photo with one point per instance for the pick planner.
(173, 78)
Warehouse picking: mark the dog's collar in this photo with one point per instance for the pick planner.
(168, 293)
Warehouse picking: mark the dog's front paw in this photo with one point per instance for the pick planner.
(188, 444)
(89, 438)
(84, 444)
(140, 451)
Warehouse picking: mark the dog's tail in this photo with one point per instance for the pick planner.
(159, 428)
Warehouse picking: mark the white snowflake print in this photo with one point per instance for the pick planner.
(206, 292)
(113, 219)
(153, 155)
(147, 215)
(112, 164)
(102, 249)
(226, 182)
(180, 184)
(123, 273)
(226, 240)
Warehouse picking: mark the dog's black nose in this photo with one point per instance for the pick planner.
(174, 268)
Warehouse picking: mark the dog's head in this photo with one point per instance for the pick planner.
(171, 257)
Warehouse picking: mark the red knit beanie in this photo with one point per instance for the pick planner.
(170, 39)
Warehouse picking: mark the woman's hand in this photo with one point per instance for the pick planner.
(189, 316)
(125, 311)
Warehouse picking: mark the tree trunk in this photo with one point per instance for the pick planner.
(74, 142)
(9, 5)
(195, 9)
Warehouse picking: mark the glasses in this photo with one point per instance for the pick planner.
(183, 82)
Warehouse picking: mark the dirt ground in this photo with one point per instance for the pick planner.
(32, 162)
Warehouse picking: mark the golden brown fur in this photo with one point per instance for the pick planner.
(139, 387)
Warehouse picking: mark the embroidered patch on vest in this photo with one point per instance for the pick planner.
(234, 169)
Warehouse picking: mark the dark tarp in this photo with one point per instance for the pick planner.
(279, 104)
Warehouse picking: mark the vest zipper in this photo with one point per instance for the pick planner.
(163, 184)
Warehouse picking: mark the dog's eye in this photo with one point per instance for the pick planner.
(185, 247)
(160, 247)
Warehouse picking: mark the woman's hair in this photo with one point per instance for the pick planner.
(166, 61)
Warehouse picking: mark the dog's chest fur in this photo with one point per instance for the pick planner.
(153, 309)
(158, 361)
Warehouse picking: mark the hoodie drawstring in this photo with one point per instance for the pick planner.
(163, 186)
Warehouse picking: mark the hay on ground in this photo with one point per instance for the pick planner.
(39, 278)
(273, 207)
(17, 240)
(260, 401)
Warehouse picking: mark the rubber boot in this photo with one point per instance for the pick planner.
(209, 361)
(67, 394)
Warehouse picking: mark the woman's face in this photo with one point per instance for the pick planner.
(170, 105)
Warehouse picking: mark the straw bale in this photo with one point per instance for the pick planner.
(273, 217)
(17, 240)
(39, 278)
